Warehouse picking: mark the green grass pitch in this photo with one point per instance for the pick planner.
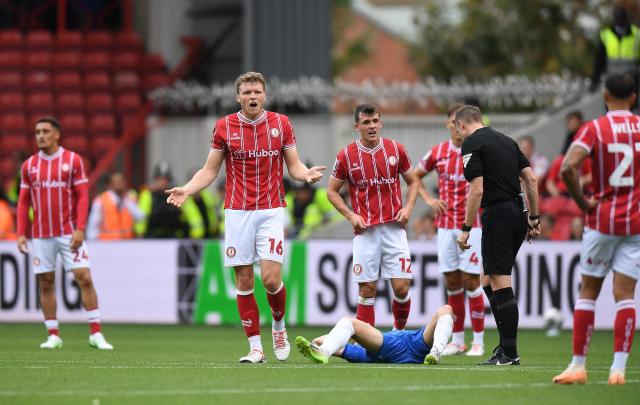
(195, 364)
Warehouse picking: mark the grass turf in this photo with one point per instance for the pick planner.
(194, 364)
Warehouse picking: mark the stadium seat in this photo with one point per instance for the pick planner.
(14, 122)
(96, 61)
(127, 61)
(70, 41)
(11, 102)
(99, 102)
(101, 144)
(102, 125)
(39, 39)
(40, 102)
(38, 60)
(11, 60)
(38, 81)
(70, 102)
(126, 82)
(99, 40)
(67, 81)
(12, 140)
(10, 80)
(67, 61)
(128, 103)
(11, 39)
(128, 41)
(73, 123)
(153, 63)
(154, 81)
(96, 81)
(75, 141)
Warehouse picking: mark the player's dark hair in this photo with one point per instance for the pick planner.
(50, 120)
(365, 109)
(575, 114)
(453, 108)
(620, 85)
(469, 113)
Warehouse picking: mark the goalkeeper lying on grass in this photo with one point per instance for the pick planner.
(424, 345)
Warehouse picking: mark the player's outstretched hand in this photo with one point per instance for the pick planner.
(402, 217)
(358, 223)
(76, 240)
(438, 206)
(22, 244)
(463, 239)
(314, 174)
(177, 196)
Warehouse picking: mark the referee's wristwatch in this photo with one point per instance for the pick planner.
(465, 228)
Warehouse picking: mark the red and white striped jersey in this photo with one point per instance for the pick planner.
(51, 181)
(614, 143)
(446, 159)
(254, 159)
(374, 178)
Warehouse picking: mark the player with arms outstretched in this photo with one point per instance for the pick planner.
(611, 239)
(55, 185)
(461, 269)
(253, 143)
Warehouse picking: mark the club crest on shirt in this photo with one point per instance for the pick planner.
(231, 252)
(393, 160)
(65, 167)
(234, 136)
(34, 170)
(357, 269)
(465, 159)
(275, 132)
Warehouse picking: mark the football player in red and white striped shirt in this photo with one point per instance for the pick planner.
(372, 167)
(461, 269)
(54, 184)
(253, 144)
(611, 238)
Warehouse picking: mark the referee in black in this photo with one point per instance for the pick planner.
(493, 166)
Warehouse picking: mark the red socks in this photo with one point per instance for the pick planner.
(365, 311)
(583, 319)
(249, 314)
(52, 326)
(476, 309)
(624, 326)
(277, 302)
(400, 308)
(456, 300)
(93, 316)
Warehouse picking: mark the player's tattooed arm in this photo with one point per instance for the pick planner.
(569, 171)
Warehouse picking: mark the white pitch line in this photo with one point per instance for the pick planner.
(283, 390)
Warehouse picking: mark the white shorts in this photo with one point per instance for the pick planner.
(251, 236)
(46, 251)
(601, 252)
(381, 250)
(451, 257)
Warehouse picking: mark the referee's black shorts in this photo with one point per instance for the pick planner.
(504, 227)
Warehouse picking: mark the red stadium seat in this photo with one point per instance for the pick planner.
(126, 81)
(98, 102)
(38, 60)
(153, 63)
(99, 40)
(11, 60)
(38, 81)
(67, 81)
(127, 61)
(97, 81)
(10, 80)
(128, 103)
(76, 142)
(128, 41)
(102, 125)
(101, 144)
(41, 103)
(15, 141)
(70, 41)
(70, 102)
(67, 60)
(75, 123)
(11, 102)
(11, 39)
(14, 122)
(39, 39)
(97, 61)
(154, 81)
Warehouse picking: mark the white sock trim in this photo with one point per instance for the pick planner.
(455, 292)
(51, 323)
(442, 332)
(276, 291)
(402, 300)
(366, 301)
(625, 304)
(475, 293)
(238, 292)
(255, 343)
(93, 315)
(585, 305)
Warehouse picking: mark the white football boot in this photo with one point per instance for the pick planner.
(53, 342)
(98, 341)
(477, 349)
(453, 348)
(254, 356)
(281, 347)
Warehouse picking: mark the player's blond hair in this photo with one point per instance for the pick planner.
(250, 77)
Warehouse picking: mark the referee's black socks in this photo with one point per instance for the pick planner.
(487, 290)
(504, 303)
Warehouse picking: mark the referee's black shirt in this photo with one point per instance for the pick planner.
(498, 159)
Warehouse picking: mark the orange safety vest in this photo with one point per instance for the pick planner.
(7, 231)
(116, 224)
